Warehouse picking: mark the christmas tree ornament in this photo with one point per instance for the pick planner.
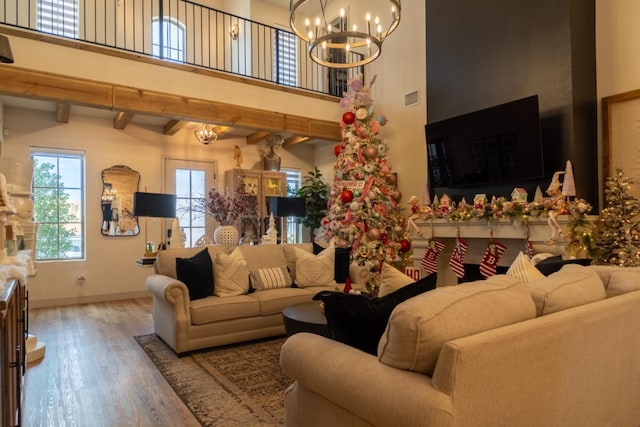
(361, 113)
(348, 117)
(338, 149)
(456, 262)
(373, 234)
(430, 259)
(346, 196)
(370, 152)
(405, 245)
(492, 255)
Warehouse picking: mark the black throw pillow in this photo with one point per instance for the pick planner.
(341, 264)
(554, 263)
(360, 320)
(197, 273)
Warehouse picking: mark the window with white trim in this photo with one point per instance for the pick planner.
(59, 17)
(59, 204)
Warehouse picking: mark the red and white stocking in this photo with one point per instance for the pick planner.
(457, 257)
(491, 257)
(430, 258)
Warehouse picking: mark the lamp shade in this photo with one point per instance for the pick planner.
(287, 206)
(6, 55)
(156, 205)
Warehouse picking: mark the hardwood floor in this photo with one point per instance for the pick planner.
(94, 373)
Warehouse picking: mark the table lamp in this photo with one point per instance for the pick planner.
(283, 207)
(153, 205)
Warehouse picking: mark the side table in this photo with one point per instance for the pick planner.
(305, 317)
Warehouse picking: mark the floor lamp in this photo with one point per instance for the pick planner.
(153, 205)
(283, 207)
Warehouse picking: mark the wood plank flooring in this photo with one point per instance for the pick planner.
(94, 373)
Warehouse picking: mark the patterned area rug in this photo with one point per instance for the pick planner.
(235, 385)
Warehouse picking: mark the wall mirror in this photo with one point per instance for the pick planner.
(118, 185)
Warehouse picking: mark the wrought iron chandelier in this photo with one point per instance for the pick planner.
(206, 135)
(344, 36)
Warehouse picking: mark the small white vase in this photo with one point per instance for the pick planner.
(226, 235)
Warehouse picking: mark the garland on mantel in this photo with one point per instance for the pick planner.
(580, 231)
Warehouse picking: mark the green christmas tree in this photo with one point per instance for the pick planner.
(619, 234)
(364, 211)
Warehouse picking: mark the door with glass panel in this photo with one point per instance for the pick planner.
(191, 181)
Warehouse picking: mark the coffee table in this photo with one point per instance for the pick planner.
(305, 317)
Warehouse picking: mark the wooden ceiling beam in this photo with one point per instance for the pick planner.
(63, 112)
(257, 137)
(290, 142)
(173, 126)
(122, 119)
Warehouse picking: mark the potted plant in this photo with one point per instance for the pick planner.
(315, 190)
(271, 159)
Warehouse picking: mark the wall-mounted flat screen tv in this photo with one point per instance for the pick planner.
(495, 146)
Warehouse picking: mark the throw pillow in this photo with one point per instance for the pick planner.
(270, 278)
(553, 264)
(573, 285)
(341, 262)
(315, 270)
(197, 273)
(230, 274)
(522, 269)
(360, 320)
(392, 279)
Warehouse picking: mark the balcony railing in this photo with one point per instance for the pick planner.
(185, 32)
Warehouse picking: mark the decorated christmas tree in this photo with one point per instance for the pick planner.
(619, 234)
(364, 211)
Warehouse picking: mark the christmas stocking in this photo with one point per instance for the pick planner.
(491, 257)
(457, 257)
(430, 258)
(528, 248)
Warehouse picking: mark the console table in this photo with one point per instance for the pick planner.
(13, 329)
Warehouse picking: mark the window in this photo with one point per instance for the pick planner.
(58, 194)
(58, 17)
(285, 60)
(294, 230)
(170, 41)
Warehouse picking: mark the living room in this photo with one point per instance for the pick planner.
(110, 270)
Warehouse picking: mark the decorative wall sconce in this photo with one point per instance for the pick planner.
(234, 32)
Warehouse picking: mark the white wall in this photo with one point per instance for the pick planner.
(110, 267)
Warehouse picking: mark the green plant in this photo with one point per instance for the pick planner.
(315, 190)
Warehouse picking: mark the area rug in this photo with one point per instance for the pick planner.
(235, 385)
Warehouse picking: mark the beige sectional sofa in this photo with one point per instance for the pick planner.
(187, 325)
(563, 350)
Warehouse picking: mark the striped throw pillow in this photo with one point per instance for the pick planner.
(524, 270)
(270, 278)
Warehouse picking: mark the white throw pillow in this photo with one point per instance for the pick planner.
(270, 278)
(315, 270)
(523, 269)
(230, 274)
(392, 279)
(571, 286)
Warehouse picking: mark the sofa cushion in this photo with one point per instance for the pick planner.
(275, 300)
(315, 270)
(341, 262)
(419, 327)
(216, 309)
(197, 273)
(359, 320)
(270, 278)
(573, 285)
(230, 274)
(553, 264)
(290, 255)
(623, 281)
(523, 269)
(263, 256)
(392, 279)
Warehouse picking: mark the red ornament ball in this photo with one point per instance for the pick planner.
(338, 149)
(348, 117)
(346, 196)
(405, 245)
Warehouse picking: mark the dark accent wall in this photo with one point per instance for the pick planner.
(484, 53)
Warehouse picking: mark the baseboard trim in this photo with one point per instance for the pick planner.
(87, 299)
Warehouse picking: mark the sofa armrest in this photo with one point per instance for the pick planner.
(171, 312)
(358, 383)
(167, 288)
